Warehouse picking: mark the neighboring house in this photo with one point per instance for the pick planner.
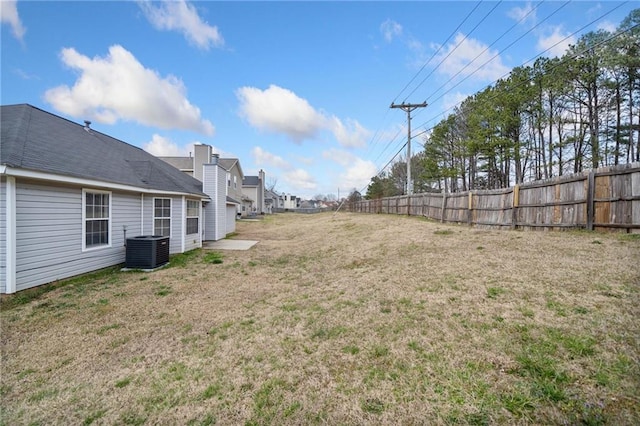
(291, 202)
(203, 155)
(272, 201)
(234, 185)
(70, 196)
(195, 166)
(253, 188)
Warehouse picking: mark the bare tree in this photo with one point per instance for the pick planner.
(271, 183)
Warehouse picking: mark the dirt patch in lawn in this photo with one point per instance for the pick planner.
(339, 319)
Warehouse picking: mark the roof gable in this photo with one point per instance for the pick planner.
(230, 163)
(34, 139)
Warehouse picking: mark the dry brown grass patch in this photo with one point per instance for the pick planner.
(355, 319)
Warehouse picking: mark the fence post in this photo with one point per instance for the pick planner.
(591, 192)
(408, 205)
(514, 209)
(444, 206)
(470, 210)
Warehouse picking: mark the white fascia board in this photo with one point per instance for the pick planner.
(31, 174)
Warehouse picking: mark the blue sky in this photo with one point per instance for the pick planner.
(299, 89)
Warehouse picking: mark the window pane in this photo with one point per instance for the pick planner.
(96, 211)
(162, 227)
(192, 225)
(192, 208)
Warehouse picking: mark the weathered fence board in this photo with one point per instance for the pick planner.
(607, 198)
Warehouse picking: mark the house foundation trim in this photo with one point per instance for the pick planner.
(10, 206)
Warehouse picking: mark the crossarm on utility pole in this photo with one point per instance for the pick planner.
(408, 108)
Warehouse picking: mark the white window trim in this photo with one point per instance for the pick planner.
(187, 217)
(84, 220)
(153, 224)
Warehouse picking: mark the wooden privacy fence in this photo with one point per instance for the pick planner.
(607, 198)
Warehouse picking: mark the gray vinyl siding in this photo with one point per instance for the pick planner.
(231, 218)
(175, 239)
(175, 245)
(214, 184)
(209, 186)
(3, 234)
(49, 233)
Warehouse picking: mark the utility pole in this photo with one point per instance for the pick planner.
(408, 108)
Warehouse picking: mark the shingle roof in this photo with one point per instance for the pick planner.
(181, 163)
(251, 181)
(37, 140)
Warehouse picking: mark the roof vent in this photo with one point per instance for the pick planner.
(87, 125)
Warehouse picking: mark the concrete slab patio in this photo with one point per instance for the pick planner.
(229, 244)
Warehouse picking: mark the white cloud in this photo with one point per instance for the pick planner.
(262, 157)
(9, 15)
(339, 156)
(357, 172)
(390, 29)
(25, 75)
(300, 180)
(183, 17)
(451, 100)
(358, 175)
(163, 147)
(351, 134)
(557, 41)
(280, 110)
(463, 51)
(118, 87)
(607, 26)
(526, 13)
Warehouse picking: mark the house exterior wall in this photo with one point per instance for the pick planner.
(201, 156)
(291, 202)
(231, 218)
(49, 231)
(178, 223)
(252, 192)
(3, 234)
(191, 241)
(234, 187)
(49, 235)
(214, 184)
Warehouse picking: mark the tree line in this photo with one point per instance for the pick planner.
(557, 116)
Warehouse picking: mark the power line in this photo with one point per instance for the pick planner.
(615, 35)
(503, 50)
(455, 48)
(437, 51)
(408, 108)
(498, 39)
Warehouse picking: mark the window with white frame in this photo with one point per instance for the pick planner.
(162, 216)
(97, 218)
(235, 182)
(193, 216)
